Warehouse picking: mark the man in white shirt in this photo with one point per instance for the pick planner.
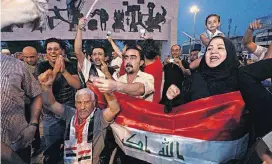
(259, 51)
(116, 61)
(135, 82)
(88, 68)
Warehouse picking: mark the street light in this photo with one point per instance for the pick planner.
(194, 9)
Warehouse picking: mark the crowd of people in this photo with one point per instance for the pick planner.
(75, 124)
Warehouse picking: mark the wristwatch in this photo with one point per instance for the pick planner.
(34, 124)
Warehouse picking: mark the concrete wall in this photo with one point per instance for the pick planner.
(61, 22)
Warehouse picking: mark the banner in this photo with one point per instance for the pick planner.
(125, 19)
(206, 131)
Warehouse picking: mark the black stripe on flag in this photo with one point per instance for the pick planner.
(70, 155)
(84, 158)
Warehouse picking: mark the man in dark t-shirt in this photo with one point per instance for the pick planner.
(65, 82)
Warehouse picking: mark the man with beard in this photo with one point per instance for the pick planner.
(135, 82)
(97, 56)
(65, 82)
(31, 58)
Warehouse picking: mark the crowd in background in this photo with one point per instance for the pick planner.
(49, 91)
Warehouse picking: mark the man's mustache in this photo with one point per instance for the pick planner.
(129, 65)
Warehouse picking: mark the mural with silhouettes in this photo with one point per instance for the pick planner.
(123, 18)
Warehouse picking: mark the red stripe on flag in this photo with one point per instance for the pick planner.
(71, 148)
(84, 152)
(215, 118)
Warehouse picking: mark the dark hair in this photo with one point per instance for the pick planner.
(129, 42)
(150, 50)
(101, 47)
(212, 15)
(138, 48)
(59, 41)
(195, 49)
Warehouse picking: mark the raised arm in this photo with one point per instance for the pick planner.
(114, 46)
(46, 80)
(204, 40)
(78, 41)
(113, 107)
(248, 37)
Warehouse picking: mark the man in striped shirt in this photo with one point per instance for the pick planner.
(16, 84)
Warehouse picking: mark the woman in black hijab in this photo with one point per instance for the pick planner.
(218, 73)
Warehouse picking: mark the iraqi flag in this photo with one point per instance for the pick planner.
(205, 131)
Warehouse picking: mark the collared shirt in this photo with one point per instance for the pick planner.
(210, 35)
(117, 61)
(144, 78)
(86, 70)
(16, 83)
(260, 52)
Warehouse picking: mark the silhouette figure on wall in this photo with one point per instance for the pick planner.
(36, 26)
(127, 21)
(92, 25)
(73, 10)
(133, 27)
(7, 29)
(118, 20)
(140, 20)
(153, 22)
(104, 17)
(10, 28)
(56, 11)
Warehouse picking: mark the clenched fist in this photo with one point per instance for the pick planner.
(172, 92)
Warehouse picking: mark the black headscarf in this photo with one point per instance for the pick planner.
(218, 80)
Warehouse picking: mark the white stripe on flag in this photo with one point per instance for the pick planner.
(168, 149)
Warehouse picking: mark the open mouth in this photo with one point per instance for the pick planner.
(214, 58)
(53, 55)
